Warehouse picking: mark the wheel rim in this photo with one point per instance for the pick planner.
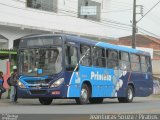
(84, 94)
(130, 94)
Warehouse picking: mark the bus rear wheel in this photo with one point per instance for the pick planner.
(129, 95)
(45, 101)
(96, 100)
(84, 95)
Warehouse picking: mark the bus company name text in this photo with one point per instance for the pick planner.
(98, 76)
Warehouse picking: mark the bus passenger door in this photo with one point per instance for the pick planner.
(71, 69)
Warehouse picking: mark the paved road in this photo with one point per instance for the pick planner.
(32, 106)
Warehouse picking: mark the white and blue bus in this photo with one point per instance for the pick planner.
(63, 66)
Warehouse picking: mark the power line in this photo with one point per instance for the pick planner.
(116, 22)
(153, 34)
(122, 10)
(148, 11)
(148, 34)
(111, 25)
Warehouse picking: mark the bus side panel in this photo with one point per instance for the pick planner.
(105, 82)
(109, 83)
(100, 87)
(125, 76)
(143, 84)
(102, 82)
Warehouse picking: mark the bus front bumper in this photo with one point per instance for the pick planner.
(37, 93)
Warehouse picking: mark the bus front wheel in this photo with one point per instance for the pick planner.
(45, 101)
(84, 95)
(129, 95)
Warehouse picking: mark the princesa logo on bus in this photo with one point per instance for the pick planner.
(98, 76)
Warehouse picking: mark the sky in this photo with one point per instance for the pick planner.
(149, 25)
(151, 22)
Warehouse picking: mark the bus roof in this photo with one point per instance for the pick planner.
(93, 43)
(122, 48)
(106, 45)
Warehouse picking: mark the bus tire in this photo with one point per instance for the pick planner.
(129, 95)
(84, 95)
(96, 100)
(45, 101)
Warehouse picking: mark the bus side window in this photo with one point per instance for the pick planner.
(71, 57)
(99, 59)
(106, 57)
(143, 64)
(124, 61)
(85, 55)
(135, 62)
(112, 59)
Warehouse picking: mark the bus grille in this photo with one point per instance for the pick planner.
(38, 81)
(47, 86)
(38, 91)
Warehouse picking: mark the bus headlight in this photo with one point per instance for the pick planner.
(21, 85)
(57, 82)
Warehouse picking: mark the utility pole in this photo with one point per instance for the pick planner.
(134, 25)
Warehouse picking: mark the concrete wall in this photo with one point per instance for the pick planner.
(12, 33)
(16, 13)
(156, 67)
(3, 43)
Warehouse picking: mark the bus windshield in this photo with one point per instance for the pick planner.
(40, 61)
